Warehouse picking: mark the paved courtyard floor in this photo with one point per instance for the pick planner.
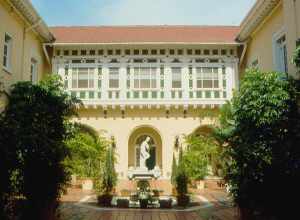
(73, 209)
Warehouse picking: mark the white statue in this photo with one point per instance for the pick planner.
(144, 153)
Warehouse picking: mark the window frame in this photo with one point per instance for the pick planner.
(8, 56)
(280, 61)
(92, 73)
(151, 79)
(109, 78)
(172, 78)
(34, 70)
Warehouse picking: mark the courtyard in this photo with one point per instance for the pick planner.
(75, 206)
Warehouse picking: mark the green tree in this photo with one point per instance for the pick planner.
(264, 145)
(87, 151)
(35, 125)
(174, 170)
(200, 152)
(109, 175)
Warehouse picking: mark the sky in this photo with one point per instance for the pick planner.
(142, 12)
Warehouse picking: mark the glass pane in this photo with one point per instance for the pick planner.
(208, 94)
(99, 95)
(216, 83)
(199, 94)
(154, 95)
(74, 78)
(207, 84)
(91, 95)
(199, 83)
(83, 77)
(82, 95)
(191, 95)
(217, 94)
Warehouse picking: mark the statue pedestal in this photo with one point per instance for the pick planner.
(143, 173)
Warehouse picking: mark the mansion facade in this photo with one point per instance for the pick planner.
(147, 83)
(137, 90)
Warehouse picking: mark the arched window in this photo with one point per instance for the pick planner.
(151, 162)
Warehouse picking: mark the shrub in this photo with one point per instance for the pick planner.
(36, 125)
(264, 165)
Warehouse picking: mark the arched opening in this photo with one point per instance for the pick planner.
(137, 137)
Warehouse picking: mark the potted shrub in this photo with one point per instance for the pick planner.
(109, 179)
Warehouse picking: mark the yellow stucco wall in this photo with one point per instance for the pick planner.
(292, 24)
(26, 45)
(286, 16)
(260, 44)
(123, 128)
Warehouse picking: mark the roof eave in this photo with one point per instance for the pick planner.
(28, 12)
(259, 12)
(147, 43)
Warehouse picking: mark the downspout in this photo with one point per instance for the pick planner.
(23, 53)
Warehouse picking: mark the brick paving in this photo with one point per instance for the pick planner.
(70, 211)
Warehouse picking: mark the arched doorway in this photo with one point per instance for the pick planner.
(136, 138)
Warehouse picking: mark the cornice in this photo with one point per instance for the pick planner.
(259, 12)
(28, 12)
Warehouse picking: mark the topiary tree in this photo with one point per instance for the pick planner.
(36, 125)
(182, 180)
(108, 177)
(264, 152)
(174, 170)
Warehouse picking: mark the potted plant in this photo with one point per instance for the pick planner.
(109, 179)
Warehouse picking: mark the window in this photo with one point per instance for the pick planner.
(74, 52)
(7, 52)
(207, 78)
(176, 77)
(33, 71)
(113, 78)
(66, 53)
(83, 78)
(145, 77)
(280, 53)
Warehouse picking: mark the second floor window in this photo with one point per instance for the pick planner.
(176, 78)
(207, 78)
(7, 51)
(83, 78)
(113, 78)
(145, 77)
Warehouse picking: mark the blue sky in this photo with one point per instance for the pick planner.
(143, 12)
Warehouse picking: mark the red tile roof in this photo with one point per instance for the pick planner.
(145, 34)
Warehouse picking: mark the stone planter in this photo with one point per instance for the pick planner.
(87, 184)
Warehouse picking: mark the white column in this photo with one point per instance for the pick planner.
(185, 79)
(123, 79)
(105, 79)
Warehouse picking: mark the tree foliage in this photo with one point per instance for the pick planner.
(174, 170)
(182, 178)
(264, 144)
(87, 151)
(33, 128)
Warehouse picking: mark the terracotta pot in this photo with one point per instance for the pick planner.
(183, 200)
(105, 200)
